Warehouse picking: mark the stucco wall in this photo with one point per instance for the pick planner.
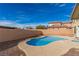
(67, 24)
(55, 24)
(75, 22)
(56, 31)
(14, 34)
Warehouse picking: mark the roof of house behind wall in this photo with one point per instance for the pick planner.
(75, 12)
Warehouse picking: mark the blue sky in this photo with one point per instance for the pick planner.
(22, 15)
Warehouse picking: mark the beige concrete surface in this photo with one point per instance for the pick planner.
(52, 49)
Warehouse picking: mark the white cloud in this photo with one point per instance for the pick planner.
(23, 17)
(3, 18)
(68, 16)
(13, 24)
(56, 4)
(20, 12)
(51, 4)
(62, 5)
(5, 22)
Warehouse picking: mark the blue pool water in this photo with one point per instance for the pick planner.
(43, 40)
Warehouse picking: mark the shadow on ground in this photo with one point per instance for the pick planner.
(72, 52)
(10, 48)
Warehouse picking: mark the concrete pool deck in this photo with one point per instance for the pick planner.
(56, 48)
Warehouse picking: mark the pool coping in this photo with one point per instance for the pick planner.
(24, 42)
(66, 38)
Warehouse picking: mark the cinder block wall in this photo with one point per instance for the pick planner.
(56, 31)
(15, 34)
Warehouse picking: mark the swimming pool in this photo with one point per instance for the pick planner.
(43, 40)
